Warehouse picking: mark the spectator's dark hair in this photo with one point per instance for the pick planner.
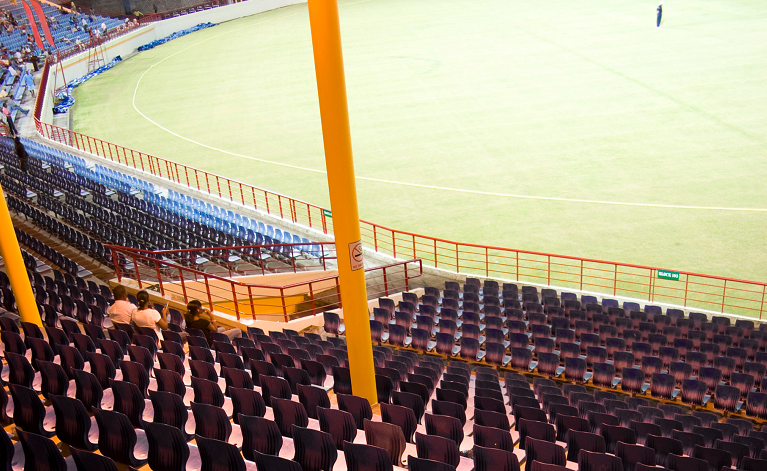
(143, 299)
(120, 292)
(21, 153)
(193, 309)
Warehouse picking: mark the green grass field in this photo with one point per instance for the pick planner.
(560, 99)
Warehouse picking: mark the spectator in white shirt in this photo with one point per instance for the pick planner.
(120, 312)
(145, 316)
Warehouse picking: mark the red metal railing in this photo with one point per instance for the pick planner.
(692, 290)
(243, 260)
(240, 297)
(287, 208)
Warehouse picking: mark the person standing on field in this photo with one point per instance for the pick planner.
(660, 13)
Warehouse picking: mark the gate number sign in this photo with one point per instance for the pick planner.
(355, 255)
(668, 275)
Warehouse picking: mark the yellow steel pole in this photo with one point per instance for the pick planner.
(14, 267)
(334, 113)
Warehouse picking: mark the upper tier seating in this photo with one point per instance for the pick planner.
(87, 214)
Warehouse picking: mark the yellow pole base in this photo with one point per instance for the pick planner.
(14, 266)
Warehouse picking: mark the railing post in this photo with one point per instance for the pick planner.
(516, 269)
(407, 282)
(324, 222)
(159, 276)
(687, 281)
(311, 296)
(435, 253)
(116, 261)
(236, 301)
(324, 259)
(724, 294)
(456, 259)
(183, 283)
(761, 307)
(548, 270)
(615, 279)
(138, 275)
(651, 288)
(207, 290)
(487, 264)
(386, 282)
(284, 308)
(414, 256)
(250, 300)
(580, 285)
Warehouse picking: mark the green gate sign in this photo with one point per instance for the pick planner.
(327, 213)
(668, 275)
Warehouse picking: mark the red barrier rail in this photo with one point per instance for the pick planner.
(242, 260)
(239, 296)
(287, 208)
(690, 290)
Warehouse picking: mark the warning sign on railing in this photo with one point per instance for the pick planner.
(355, 255)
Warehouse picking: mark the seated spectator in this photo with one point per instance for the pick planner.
(194, 319)
(29, 81)
(120, 312)
(145, 316)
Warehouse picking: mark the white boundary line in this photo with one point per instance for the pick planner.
(414, 185)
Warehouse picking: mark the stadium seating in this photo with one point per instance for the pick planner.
(61, 184)
(453, 367)
(445, 426)
(60, 28)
